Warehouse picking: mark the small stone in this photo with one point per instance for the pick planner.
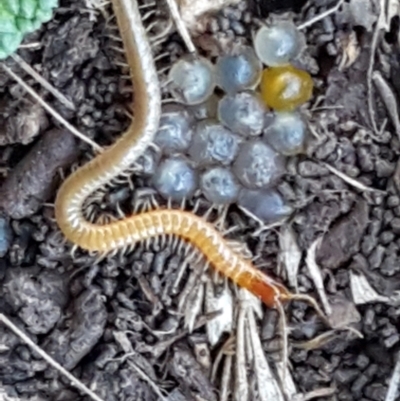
(393, 201)
(309, 169)
(376, 257)
(384, 169)
(395, 224)
(391, 340)
(362, 361)
(386, 237)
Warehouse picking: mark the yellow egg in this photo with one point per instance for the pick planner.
(285, 88)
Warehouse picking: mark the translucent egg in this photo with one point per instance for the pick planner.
(192, 80)
(243, 113)
(285, 88)
(267, 205)
(175, 179)
(213, 143)
(176, 129)
(219, 185)
(238, 71)
(278, 44)
(258, 165)
(287, 134)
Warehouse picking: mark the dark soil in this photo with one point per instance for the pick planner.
(133, 322)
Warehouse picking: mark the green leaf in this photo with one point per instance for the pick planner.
(27, 9)
(48, 4)
(9, 42)
(7, 22)
(12, 6)
(27, 25)
(20, 17)
(44, 15)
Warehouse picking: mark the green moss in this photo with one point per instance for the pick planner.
(20, 17)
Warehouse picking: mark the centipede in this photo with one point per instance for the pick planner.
(119, 157)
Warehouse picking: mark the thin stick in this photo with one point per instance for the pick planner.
(321, 16)
(23, 64)
(180, 25)
(380, 24)
(57, 116)
(74, 381)
(393, 389)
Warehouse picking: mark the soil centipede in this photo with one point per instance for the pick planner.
(116, 159)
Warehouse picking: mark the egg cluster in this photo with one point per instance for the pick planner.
(234, 123)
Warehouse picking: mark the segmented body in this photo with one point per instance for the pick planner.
(120, 156)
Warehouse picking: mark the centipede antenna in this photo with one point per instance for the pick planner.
(312, 302)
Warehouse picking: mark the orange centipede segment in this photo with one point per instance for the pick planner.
(120, 156)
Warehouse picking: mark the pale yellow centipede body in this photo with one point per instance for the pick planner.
(120, 156)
